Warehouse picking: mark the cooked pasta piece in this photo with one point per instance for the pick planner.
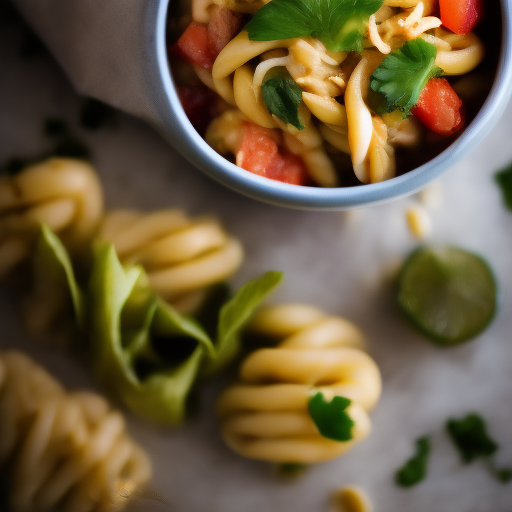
(182, 257)
(328, 77)
(265, 416)
(351, 499)
(62, 451)
(63, 193)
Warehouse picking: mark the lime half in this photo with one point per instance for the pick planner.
(450, 294)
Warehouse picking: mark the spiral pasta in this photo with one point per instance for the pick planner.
(320, 101)
(265, 416)
(63, 193)
(181, 256)
(65, 451)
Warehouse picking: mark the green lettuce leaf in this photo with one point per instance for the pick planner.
(147, 352)
(54, 278)
(339, 24)
(235, 314)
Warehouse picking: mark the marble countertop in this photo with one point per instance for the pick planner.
(340, 262)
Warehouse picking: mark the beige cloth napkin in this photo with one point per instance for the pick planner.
(103, 47)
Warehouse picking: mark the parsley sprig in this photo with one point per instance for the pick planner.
(339, 24)
(331, 418)
(404, 73)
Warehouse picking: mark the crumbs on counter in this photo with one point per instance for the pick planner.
(351, 499)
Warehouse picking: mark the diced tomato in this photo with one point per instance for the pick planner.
(259, 154)
(439, 108)
(257, 150)
(288, 168)
(460, 16)
(200, 105)
(223, 26)
(194, 45)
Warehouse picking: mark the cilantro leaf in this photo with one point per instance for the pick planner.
(470, 437)
(404, 73)
(282, 96)
(331, 418)
(339, 24)
(504, 179)
(415, 469)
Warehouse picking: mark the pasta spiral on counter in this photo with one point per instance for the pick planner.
(266, 417)
(63, 193)
(181, 256)
(62, 451)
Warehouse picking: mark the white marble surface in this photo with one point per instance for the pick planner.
(340, 262)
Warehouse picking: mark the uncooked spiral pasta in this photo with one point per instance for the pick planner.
(182, 257)
(62, 451)
(311, 84)
(63, 193)
(265, 416)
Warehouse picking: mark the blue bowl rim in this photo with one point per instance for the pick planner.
(176, 127)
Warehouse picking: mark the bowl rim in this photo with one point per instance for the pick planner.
(176, 127)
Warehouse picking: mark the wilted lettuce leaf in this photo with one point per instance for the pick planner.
(138, 345)
(145, 350)
(235, 314)
(54, 275)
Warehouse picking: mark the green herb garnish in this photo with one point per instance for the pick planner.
(404, 73)
(331, 418)
(339, 24)
(415, 469)
(504, 179)
(282, 96)
(471, 439)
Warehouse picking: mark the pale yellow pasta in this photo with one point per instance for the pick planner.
(243, 6)
(265, 416)
(359, 116)
(249, 99)
(326, 109)
(65, 451)
(200, 10)
(63, 193)
(336, 136)
(182, 257)
(466, 53)
(239, 51)
(351, 499)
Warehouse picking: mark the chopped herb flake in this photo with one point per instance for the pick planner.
(415, 469)
(470, 437)
(331, 418)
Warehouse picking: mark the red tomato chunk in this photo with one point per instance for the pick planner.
(194, 46)
(200, 105)
(224, 25)
(460, 16)
(201, 44)
(259, 154)
(439, 108)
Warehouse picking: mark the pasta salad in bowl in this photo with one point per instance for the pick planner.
(299, 103)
